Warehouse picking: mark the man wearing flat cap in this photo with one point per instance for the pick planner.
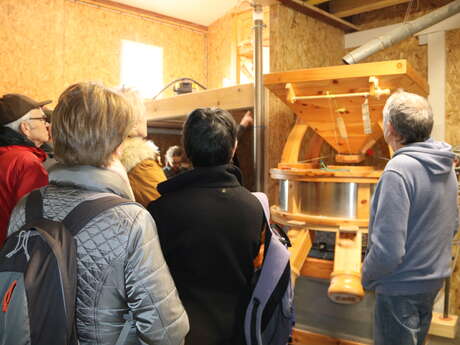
(23, 129)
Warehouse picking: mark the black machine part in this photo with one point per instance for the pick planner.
(183, 80)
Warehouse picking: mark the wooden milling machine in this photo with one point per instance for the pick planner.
(331, 162)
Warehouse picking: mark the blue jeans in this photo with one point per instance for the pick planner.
(402, 320)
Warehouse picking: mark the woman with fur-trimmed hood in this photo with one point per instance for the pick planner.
(141, 161)
(141, 158)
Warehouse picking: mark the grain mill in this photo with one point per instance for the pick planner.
(331, 162)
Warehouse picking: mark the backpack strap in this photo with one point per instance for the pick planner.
(79, 216)
(274, 267)
(129, 323)
(88, 209)
(262, 197)
(34, 206)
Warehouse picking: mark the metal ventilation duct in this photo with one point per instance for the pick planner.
(402, 32)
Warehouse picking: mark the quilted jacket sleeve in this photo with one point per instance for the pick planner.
(152, 296)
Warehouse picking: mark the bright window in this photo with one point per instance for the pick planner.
(142, 67)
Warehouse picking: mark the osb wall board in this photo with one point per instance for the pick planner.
(245, 24)
(50, 44)
(221, 51)
(97, 54)
(396, 14)
(453, 129)
(296, 41)
(31, 47)
(224, 35)
(453, 87)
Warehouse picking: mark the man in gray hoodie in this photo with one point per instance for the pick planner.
(413, 219)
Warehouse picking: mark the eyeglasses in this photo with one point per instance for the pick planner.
(44, 119)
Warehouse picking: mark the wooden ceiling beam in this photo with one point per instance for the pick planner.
(315, 12)
(315, 2)
(346, 8)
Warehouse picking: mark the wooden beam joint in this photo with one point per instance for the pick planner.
(347, 8)
(319, 14)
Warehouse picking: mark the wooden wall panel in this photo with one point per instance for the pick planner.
(453, 87)
(245, 25)
(453, 133)
(92, 44)
(221, 51)
(224, 35)
(48, 44)
(296, 41)
(31, 47)
(396, 14)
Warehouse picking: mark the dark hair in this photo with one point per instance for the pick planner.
(209, 137)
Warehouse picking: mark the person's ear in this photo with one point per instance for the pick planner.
(25, 129)
(119, 151)
(394, 134)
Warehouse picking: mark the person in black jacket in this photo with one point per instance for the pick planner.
(209, 227)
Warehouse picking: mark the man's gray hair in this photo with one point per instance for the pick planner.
(15, 124)
(410, 115)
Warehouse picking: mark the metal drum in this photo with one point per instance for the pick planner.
(329, 199)
(339, 201)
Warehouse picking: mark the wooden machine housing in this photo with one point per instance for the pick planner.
(330, 117)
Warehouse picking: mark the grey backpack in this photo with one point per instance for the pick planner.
(270, 315)
(38, 277)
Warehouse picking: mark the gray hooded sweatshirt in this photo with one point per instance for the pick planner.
(413, 219)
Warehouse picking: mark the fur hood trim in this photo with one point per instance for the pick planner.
(136, 150)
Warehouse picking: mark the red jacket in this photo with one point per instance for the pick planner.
(21, 171)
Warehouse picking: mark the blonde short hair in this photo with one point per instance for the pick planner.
(89, 122)
(133, 96)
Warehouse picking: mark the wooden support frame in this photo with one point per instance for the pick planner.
(282, 217)
(301, 244)
(315, 2)
(346, 8)
(346, 285)
(302, 337)
(443, 327)
(230, 98)
(383, 70)
(292, 148)
(317, 268)
(325, 97)
(319, 14)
